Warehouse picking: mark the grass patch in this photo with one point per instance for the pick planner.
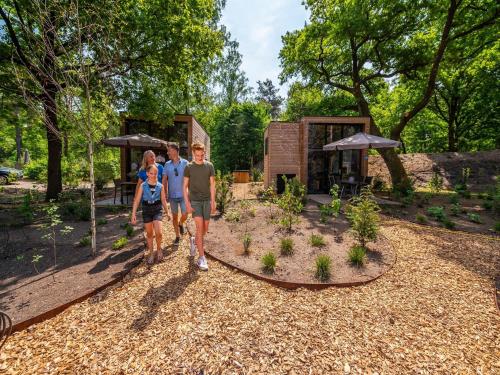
(269, 262)
(357, 255)
(233, 215)
(119, 243)
(317, 240)
(102, 221)
(247, 241)
(475, 218)
(84, 241)
(436, 212)
(323, 267)
(286, 246)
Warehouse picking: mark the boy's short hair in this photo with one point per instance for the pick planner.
(197, 146)
(151, 166)
(173, 145)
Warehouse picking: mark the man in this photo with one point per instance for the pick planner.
(173, 174)
(199, 195)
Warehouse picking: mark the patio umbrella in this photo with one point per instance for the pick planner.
(135, 140)
(360, 141)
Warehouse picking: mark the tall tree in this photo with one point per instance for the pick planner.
(353, 46)
(38, 37)
(268, 93)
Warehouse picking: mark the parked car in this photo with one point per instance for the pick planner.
(5, 172)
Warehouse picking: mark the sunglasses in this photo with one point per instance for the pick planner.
(176, 172)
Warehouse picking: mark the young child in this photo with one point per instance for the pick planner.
(153, 198)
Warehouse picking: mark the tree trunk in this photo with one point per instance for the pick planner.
(452, 129)
(19, 142)
(54, 175)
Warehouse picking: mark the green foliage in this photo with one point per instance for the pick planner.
(75, 208)
(85, 241)
(223, 192)
(269, 262)
(35, 260)
(256, 174)
(378, 184)
(422, 219)
(26, 208)
(317, 240)
(357, 255)
(129, 229)
(496, 228)
(364, 218)
(232, 215)
(268, 93)
(120, 243)
(456, 209)
(102, 221)
(447, 223)
(298, 189)
(475, 218)
(436, 212)
(286, 246)
(405, 190)
(436, 183)
(454, 198)
(247, 241)
(36, 170)
(323, 267)
(290, 203)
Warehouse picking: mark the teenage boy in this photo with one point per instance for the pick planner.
(199, 195)
(173, 179)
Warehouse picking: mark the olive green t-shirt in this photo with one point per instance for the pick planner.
(199, 180)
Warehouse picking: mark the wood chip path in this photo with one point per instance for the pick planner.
(433, 313)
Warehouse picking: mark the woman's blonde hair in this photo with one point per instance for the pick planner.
(144, 163)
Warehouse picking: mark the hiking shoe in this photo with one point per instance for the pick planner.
(192, 246)
(202, 263)
(176, 241)
(181, 229)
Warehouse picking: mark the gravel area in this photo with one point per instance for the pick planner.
(432, 313)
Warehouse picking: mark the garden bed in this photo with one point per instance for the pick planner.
(225, 242)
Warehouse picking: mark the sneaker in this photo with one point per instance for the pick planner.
(202, 263)
(176, 241)
(192, 246)
(181, 229)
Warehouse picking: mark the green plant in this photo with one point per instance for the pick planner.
(475, 218)
(456, 209)
(447, 223)
(378, 184)
(102, 221)
(232, 215)
(286, 246)
(436, 183)
(487, 205)
(223, 192)
(19, 257)
(52, 221)
(35, 260)
(357, 255)
(36, 170)
(247, 240)
(323, 267)
(291, 204)
(363, 216)
(84, 241)
(256, 174)
(269, 262)
(119, 243)
(482, 195)
(26, 208)
(496, 228)
(436, 212)
(422, 219)
(317, 240)
(454, 198)
(404, 188)
(129, 229)
(297, 189)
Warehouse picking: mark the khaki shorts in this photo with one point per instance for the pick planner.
(201, 208)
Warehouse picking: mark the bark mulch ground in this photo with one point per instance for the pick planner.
(433, 312)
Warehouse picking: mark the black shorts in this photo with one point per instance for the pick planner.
(151, 212)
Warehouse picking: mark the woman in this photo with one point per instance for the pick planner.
(152, 195)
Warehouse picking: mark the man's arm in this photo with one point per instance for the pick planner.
(213, 205)
(189, 209)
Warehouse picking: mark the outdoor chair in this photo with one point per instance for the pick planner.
(116, 182)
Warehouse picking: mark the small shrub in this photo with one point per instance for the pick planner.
(496, 228)
(436, 183)
(119, 243)
(422, 219)
(269, 262)
(26, 208)
(364, 218)
(378, 184)
(404, 188)
(475, 218)
(36, 170)
(317, 240)
(487, 205)
(286, 246)
(102, 221)
(456, 209)
(290, 203)
(436, 212)
(256, 175)
(247, 240)
(454, 198)
(357, 255)
(298, 189)
(323, 267)
(232, 215)
(84, 241)
(223, 192)
(447, 223)
(482, 195)
(129, 229)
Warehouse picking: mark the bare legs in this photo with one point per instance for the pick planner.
(157, 228)
(201, 230)
(175, 222)
(153, 230)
